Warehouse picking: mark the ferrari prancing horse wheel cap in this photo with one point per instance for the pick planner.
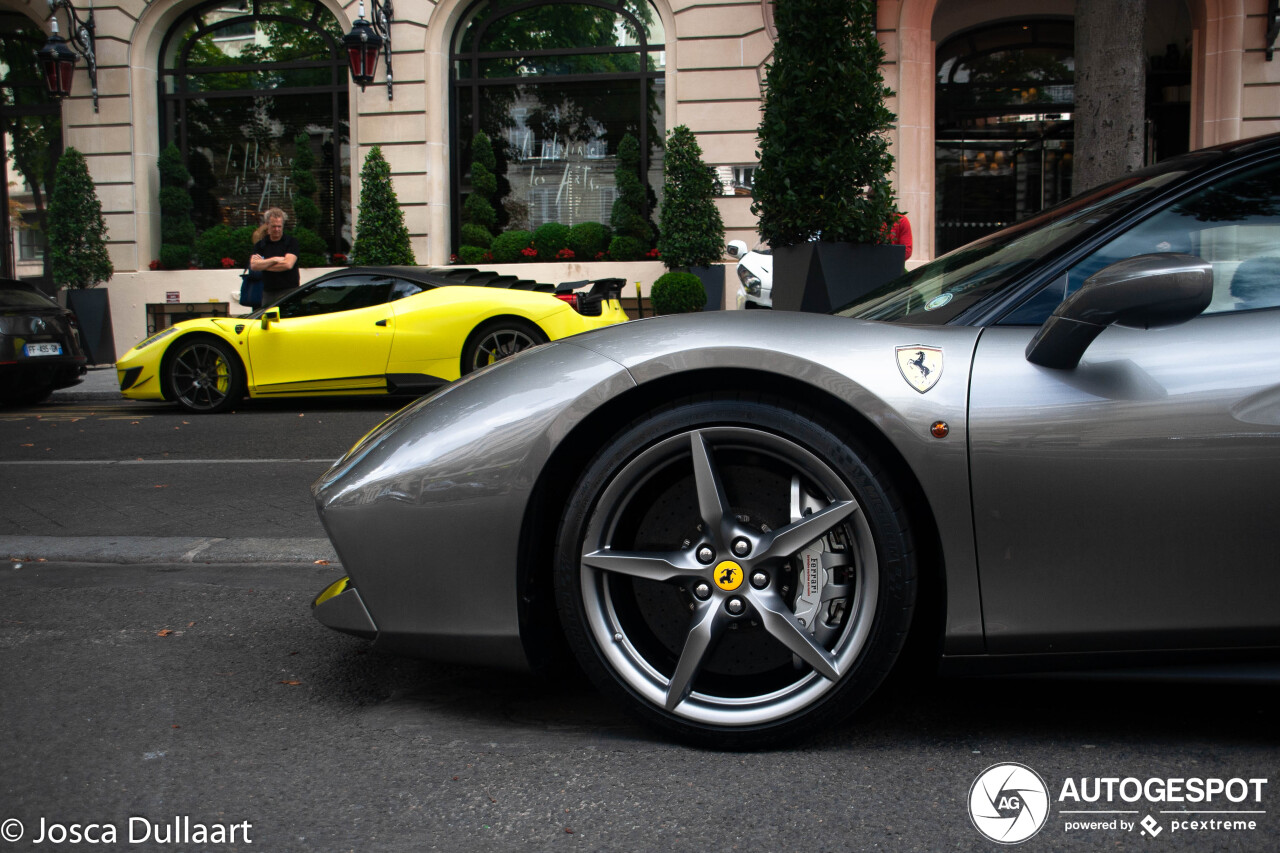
(728, 575)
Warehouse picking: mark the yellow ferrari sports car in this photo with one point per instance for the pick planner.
(363, 330)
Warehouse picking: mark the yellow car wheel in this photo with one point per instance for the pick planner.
(498, 339)
(204, 375)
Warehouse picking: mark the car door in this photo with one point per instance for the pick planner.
(332, 335)
(1131, 502)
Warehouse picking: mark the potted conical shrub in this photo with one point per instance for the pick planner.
(381, 236)
(631, 230)
(479, 217)
(78, 259)
(691, 230)
(822, 192)
(177, 229)
(305, 210)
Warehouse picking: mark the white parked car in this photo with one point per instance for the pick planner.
(755, 271)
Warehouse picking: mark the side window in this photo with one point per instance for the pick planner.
(401, 288)
(345, 293)
(1234, 224)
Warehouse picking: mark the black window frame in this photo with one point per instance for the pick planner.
(470, 86)
(338, 87)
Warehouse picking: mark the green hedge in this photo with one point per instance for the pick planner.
(678, 293)
(588, 239)
(507, 245)
(549, 239)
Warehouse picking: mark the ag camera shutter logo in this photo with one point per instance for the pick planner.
(1009, 803)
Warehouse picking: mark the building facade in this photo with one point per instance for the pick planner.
(248, 89)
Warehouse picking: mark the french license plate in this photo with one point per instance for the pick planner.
(34, 350)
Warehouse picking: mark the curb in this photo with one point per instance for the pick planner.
(99, 384)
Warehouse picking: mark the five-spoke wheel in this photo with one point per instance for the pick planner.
(204, 375)
(736, 572)
(497, 340)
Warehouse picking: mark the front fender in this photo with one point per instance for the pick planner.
(139, 371)
(425, 511)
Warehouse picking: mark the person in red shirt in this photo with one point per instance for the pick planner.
(900, 233)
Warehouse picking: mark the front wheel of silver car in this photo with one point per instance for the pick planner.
(735, 572)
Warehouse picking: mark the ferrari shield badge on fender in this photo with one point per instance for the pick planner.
(920, 365)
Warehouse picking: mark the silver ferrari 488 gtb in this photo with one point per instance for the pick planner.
(1055, 448)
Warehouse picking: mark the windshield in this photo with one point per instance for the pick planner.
(20, 297)
(937, 293)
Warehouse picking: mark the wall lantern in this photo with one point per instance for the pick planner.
(366, 40)
(58, 61)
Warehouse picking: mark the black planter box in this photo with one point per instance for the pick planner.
(819, 277)
(92, 307)
(712, 279)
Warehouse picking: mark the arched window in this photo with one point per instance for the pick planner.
(1003, 126)
(244, 84)
(557, 85)
(31, 125)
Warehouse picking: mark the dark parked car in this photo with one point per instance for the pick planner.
(1055, 448)
(40, 349)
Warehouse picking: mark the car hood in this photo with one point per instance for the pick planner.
(522, 407)
(815, 348)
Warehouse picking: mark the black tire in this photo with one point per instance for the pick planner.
(712, 647)
(497, 339)
(204, 375)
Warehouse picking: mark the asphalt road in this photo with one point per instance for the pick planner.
(143, 691)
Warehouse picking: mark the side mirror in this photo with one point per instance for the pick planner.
(272, 316)
(1142, 292)
(736, 249)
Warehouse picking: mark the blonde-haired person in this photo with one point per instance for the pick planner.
(275, 255)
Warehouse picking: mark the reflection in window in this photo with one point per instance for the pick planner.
(1003, 125)
(31, 132)
(344, 293)
(242, 81)
(736, 180)
(556, 87)
(1234, 225)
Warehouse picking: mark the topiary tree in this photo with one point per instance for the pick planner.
(205, 209)
(479, 217)
(677, 293)
(508, 246)
(381, 236)
(216, 244)
(633, 234)
(588, 240)
(177, 231)
(306, 212)
(549, 239)
(76, 231)
(692, 230)
(472, 255)
(824, 150)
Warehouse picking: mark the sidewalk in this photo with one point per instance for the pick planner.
(99, 385)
